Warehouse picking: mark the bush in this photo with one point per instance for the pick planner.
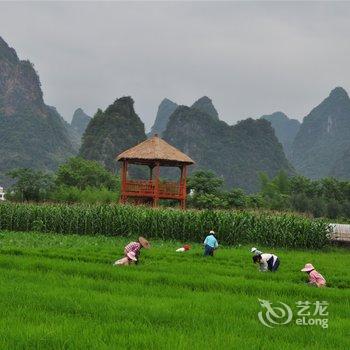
(333, 209)
(207, 201)
(89, 195)
(30, 185)
(82, 173)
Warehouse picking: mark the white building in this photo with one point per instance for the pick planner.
(2, 194)
(340, 232)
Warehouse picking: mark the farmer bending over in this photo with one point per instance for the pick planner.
(136, 247)
(315, 278)
(210, 244)
(267, 261)
(126, 260)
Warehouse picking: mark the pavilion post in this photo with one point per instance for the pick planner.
(156, 186)
(124, 176)
(181, 180)
(183, 186)
(184, 180)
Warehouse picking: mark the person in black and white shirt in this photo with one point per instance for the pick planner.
(267, 261)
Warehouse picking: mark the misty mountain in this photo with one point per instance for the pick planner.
(32, 134)
(205, 104)
(236, 153)
(285, 129)
(111, 132)
(341, 169)
(80, 121)
(324, 138)
(165, 109)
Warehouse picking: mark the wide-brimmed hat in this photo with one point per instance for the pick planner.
(253, 250)
(144, 242)
(212, 232)
(307, 268)
(131, 256)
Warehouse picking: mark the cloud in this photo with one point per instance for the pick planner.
(250, 58)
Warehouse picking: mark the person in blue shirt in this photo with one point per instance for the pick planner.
(210, 244)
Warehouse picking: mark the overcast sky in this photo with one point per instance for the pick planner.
(250, 58)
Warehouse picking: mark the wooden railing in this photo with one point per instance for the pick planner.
(139, 186)
(148, 187)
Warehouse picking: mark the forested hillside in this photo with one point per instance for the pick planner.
(205, 104)
(80, 121)
(236, 153)
(320, 146)
(165, 110)
(32, 134)
(285, 129)
(112, 131)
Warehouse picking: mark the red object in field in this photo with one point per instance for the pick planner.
(187, 247)
(154, 153)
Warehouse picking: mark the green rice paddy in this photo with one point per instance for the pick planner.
(62, 292)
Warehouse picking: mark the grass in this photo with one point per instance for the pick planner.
(62, 292)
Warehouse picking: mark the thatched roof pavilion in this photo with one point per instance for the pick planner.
(154, 153)
(155, 149)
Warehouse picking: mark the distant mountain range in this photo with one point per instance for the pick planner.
(322, 144)
(111, 132)
(80, 121)
(236, 153)
(205, 105)
(33, 134)
(165, 110)
(341, 169)
(285, 129)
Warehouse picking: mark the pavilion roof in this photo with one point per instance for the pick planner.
(155, 149)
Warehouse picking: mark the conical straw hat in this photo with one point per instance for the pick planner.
(144, 242)
(308, 267)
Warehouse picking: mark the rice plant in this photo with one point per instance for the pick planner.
(62, 292)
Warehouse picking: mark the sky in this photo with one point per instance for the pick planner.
(250, 58)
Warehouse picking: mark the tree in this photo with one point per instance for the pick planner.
(275, 192)
(82, 173)
(281, 182)
(255, 201)
(333, 209)
(331, 188)
(299, 184)
(209, 201)
(300, 202)
(30, 185)
(207, 191)
(236, 198)
(317, 207)
(268, 188)
(204, 182)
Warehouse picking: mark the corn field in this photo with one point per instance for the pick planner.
(232, 227)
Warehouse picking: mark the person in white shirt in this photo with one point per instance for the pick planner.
(267, 261)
